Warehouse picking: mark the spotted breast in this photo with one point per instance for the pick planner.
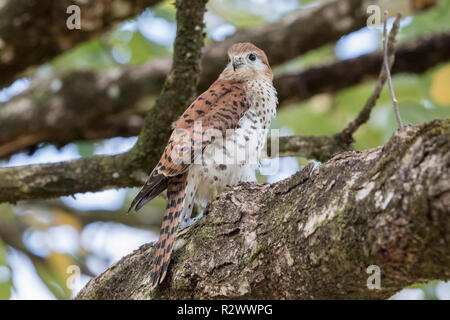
(234, 159)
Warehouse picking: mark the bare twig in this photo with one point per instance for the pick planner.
(388, 73)
(346, 135)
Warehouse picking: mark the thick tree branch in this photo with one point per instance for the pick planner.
(91, 106)
(34, 32)
(313, 235)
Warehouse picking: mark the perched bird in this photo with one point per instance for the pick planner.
(215, 143)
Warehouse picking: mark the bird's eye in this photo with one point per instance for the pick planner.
(252, 57)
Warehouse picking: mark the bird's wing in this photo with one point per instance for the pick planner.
(217, 109)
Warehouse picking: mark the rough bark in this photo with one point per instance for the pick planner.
(99, 105)
(313, 235)
(68, 177)
(33, 32)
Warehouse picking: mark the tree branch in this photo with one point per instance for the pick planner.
(93, 105)
(319, 148)
(312, 236)
(387, 68)
(43, 25)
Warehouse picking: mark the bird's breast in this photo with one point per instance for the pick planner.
(235, 159)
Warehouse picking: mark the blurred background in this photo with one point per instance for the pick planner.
(41, 240)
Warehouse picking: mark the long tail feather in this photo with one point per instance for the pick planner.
(176, 191)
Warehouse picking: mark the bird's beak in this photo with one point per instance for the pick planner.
(236, 63)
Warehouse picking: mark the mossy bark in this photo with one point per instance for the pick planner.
(314, 235)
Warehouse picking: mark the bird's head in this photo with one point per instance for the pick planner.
(246, 62)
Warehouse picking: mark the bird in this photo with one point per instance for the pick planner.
(215, 144)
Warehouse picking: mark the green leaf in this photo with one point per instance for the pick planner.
(166, 10)
(86, 148)
(5, 274)
(54, 283)
(143, 50)
(429, 21)
(88, 55)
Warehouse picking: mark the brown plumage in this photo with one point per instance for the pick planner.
(176, 189)
(220, 108)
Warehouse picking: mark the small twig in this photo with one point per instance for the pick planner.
(388, 73)
(346, 135)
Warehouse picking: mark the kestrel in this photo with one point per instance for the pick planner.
(216, 143)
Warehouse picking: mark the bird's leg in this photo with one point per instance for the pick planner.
(196, 214)
(213, 195)
(196, 210)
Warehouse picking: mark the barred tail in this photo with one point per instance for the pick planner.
(176, 191)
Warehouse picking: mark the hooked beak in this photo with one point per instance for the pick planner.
(236, 63)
